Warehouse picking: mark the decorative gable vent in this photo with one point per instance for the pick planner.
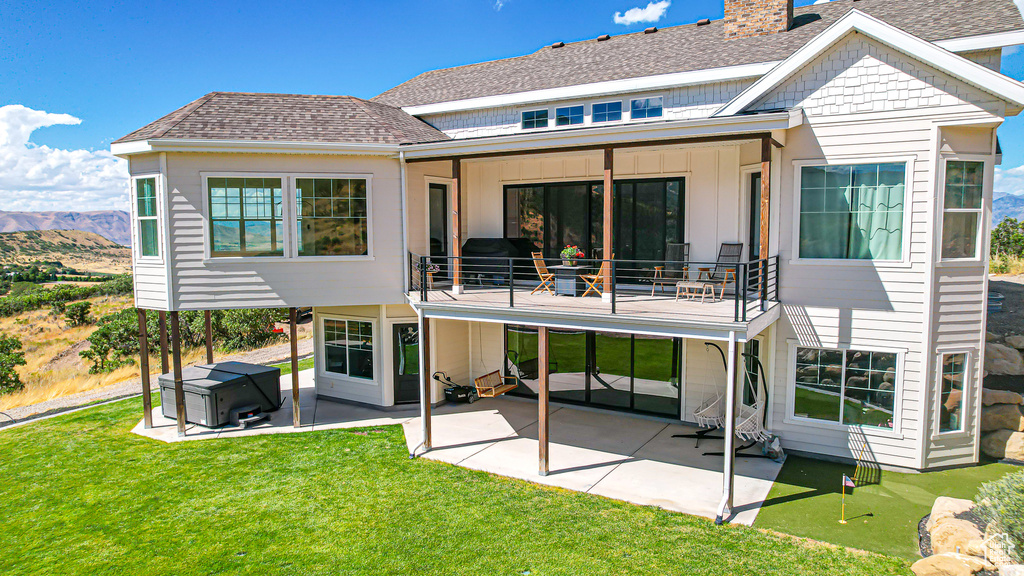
(744, 18)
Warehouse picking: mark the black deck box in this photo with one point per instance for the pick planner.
(213, 390)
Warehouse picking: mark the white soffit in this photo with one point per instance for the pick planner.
(856, 21)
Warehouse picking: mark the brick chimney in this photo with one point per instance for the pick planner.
(745, 18)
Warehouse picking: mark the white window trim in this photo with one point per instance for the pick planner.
(322, 349)
(622, 113)
(134, 210)
(208, 257)
(968, 390)
(580, 105)
(908, 192)
(940, 219)
(896, 432)
(651, 97)
(292, 249)
(523, 128)
(447, 183)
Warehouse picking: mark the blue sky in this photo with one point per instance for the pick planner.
(117, 66)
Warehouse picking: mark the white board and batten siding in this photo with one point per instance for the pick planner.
(864, 102)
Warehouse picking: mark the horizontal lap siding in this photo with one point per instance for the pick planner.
(150, 286)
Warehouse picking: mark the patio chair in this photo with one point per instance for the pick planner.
(594, 280)
(494, 384)
(676, 268)
(729, 255)
(547, 279)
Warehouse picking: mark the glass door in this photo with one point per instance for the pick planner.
(755, 216)
(437, 215)
(406, 354)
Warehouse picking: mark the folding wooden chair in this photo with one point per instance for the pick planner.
(547, 279)
(595, 282)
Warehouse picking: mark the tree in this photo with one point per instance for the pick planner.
(1008, 238)
(115, 342)
(77, 314)
(10, 356)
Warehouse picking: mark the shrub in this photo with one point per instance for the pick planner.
(15, 304)
(250, 328)
(115, 342)
(10, 356)
(1001, 503)
(77, 313)
(1008, 238)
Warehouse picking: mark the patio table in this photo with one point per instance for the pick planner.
(567, 279)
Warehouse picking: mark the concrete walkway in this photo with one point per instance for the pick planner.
(619, 456)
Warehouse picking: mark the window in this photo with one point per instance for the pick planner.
(245, 217)
(568, 116)
(645, 108)
(608, 112)
(852, 212)
(951, 393)
(332, 216)
(145, 211)
(535, 119)
(348, 348)
(961, 215)
(853, 387)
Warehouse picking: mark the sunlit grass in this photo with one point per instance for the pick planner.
(1006, 264)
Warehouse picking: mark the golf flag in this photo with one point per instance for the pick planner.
(847, 482)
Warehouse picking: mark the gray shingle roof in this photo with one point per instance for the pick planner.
(691, 47)
(288, 118)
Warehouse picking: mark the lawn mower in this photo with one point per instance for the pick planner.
(455, 392)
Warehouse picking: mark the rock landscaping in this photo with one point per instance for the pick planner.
(954, 543)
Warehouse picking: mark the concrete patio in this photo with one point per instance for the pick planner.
(619, 456)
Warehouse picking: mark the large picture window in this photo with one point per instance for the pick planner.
(853, 387)
(146, 213)
(245, 217)
(852, 212)
(348, 348)
(951, 393)
(961, 215)
(332, 216)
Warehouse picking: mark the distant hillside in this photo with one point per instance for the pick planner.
(111, 224)
(1007, 206)
(84, 251)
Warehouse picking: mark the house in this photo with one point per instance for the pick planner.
(843, 151)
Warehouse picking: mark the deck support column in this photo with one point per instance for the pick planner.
(293, 337)
(179, 386)
(766, 188)
(606, 229)
(147, 398)
(456, 204)
(208, 325)
(729, 456)
(164, 364)
(543, 409)
(424, 333)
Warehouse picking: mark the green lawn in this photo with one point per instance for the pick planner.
(882, 515)
(81, 495)
(286, 367)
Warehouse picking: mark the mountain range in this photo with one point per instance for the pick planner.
(114, 225)
(1007, 206)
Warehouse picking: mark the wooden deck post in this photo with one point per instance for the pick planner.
(293, 336)
(208, 322)
(179, 385)
(424, 329)
(147, 398)
(543, 410)
(164, 364)
(606, 230)
(456, 223)
(766, 188)
(729, 456)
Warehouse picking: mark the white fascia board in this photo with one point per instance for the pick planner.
(246, 146)
(857, 21)
(983, 42)
(609, 87)
(623, 134)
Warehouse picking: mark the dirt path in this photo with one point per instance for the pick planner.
(269, 355)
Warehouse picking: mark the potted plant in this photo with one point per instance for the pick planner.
(431, 270)
(569, 255)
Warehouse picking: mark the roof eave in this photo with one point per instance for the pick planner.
(125, 149)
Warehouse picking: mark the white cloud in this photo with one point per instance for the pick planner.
(1009, 180)
(822, 1)
(499, 4)
(652, 13)
(36, 178)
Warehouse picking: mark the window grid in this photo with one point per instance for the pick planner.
(146, 213)
(332, 216)
(246, 217)
(641, 108)
(569, 116)
(607, 112)
(534, 119)
(951, 392)
(962, 208)
(348, 348)
(864, 378)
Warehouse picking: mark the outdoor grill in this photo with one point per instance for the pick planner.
(478, 254)
(214, 391)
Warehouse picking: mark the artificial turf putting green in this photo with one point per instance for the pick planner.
(286, 367)
(82, 495)
(882, 512)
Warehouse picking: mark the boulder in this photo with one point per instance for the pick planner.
(1002, 417)
(946, 507)
(952, 535)
(948, 565)
(991, 337)
(1004, 444)
(990, 397)
(976, 548)
(1017, 341)
(1003, 359)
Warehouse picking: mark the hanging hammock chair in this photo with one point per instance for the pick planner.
(710, 414)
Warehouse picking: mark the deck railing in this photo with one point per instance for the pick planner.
(749, 285)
